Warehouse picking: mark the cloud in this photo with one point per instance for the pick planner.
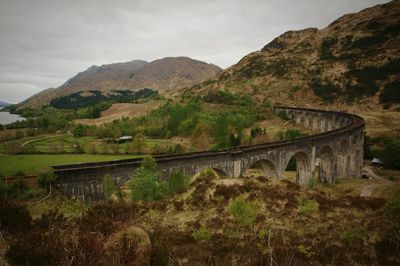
(45, 42)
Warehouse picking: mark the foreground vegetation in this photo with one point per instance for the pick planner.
(28, 164)
(249, 221)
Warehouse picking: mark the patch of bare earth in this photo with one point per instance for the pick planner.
(119, 110)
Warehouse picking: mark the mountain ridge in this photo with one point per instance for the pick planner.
(4, 104)
(352, 61)
(169, 73)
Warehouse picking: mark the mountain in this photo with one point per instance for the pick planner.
(170, 73)
(4, 104)
(353, 61)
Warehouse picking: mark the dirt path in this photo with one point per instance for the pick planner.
(42, 138)
(367, 191)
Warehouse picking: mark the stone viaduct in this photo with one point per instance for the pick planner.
(335, 152)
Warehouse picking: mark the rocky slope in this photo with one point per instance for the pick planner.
(169, 73)
(350, 62)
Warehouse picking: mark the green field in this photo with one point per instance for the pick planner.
(92, 145)
(32, 164)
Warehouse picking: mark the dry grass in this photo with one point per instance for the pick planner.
(119, 110)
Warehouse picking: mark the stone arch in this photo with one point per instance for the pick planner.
(303, 167)
(268, 167)
(326, 164)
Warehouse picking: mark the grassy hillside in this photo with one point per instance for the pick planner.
(353, 61)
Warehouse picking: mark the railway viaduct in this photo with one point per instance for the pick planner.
(335, 152)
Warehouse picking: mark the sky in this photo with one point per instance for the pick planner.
(43, 43)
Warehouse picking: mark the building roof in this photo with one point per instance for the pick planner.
(377, 160)
(125, 137)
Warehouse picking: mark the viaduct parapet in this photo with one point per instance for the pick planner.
(335, 152)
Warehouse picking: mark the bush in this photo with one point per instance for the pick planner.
(177, 182)
(201, 234)
(283, 115)
(208, 172)
(46, 178)
(327, 90)
(391, 92)
(245, 212)
(326, 46)
(19, 173)
(391, 154)
(18, 187)
(307, 207)
(13, 217)
(351, 236)
(79, 131)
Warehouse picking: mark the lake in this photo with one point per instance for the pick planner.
(7, 118)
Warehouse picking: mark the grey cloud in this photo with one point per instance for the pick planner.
(45, 42)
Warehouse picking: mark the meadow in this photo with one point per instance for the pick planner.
(32, 164)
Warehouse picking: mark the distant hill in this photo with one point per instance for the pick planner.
(4, 104)
(353, 61)
(170, 73)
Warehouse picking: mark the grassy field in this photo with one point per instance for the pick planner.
(32, 164)
(67, 143)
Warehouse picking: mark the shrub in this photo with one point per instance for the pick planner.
(208, 172)
(283, 115)
(291, 134)
(326, 46)
(245, 212)
(201, 234)
(351, 236)
(79, 131)
(18, 187)
(391, 92)
(14, 217)
(19, 173)
(177, 182)
(327, 90)
(267, 104)
(307, 207)
(46, 178)
(391, 154)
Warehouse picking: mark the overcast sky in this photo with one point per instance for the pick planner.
(45, 42)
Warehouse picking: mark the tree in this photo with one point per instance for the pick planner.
(149, 163)
(177, 181)
(221, 131)
(144, 184)
(138, 143)
(391, 154)
(79, 131)
(46, 178)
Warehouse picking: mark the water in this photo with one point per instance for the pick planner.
(7, 118)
